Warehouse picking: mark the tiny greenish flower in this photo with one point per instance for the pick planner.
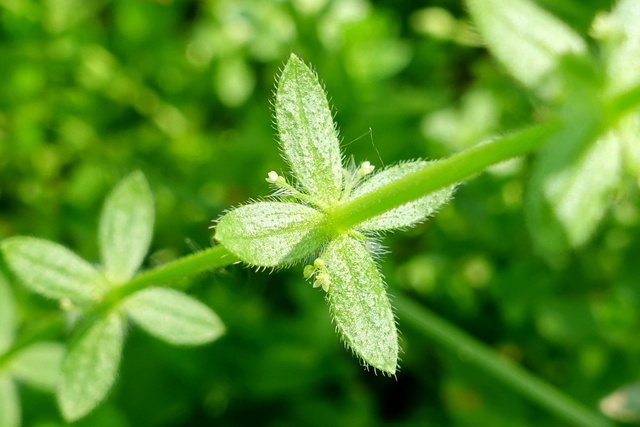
(296, 221)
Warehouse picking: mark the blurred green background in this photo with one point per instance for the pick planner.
(182, 90)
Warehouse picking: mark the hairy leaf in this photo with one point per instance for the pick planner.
(307, 133)
(409, 213)
(173, 316)
(91, 366)
(528, 40)
(126, 228)
(7, 314)
(359, 303)
(268, 234)
(9, 403)
(52, 270)
(39, 365)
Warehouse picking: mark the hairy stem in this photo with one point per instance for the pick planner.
(484, 358)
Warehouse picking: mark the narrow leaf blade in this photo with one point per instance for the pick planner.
(9, 403)
(526, 39)
(173, 316)
(90, 367)
(126, 228)
(359, 303)
(409, 213)
(268, 234)
(39, 365)
(7, 314)
(308, 135)
(52, 270)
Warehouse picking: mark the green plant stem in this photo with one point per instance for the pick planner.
(190, 265)
(442, 174)
(501, 369)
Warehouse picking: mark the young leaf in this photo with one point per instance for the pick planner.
(126, 228)
(268, 234)
(409, 213)
(7, 315)
(52, 270)
(39, 365)
(307, 133)
(173, 316)
(359, 303)
(9, 403)
(528, 40)
(91, 366)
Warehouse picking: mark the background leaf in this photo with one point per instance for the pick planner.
(126, 228)
(173, 316)
(409, 213)
(268, 234)
(90, 367)
(9, 403)
(528, 40)
(307, 133)
(52, 270)
(7, 314)
(359, 303)
(39, 365)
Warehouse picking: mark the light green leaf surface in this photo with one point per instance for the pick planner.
(308, 135)
(126, 228)
(52, 270)
(7, 314)
(39, 365)
(173, 316)
(359, 303)
(409, 213)
(268, 234)
(9, 403)
(91, 366)
(526, 39)
(623, 68)
(565, 204)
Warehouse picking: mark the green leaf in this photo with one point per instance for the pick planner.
(126, 228)
(9, 403)
(528, 40)
(568, 196)
(52, 270)
(173, 316)
(308, 135)
(7, 315)
(91, 366)
(409, 213)
(39, 365)
(359, 303)
(623, 69)
(268, 234)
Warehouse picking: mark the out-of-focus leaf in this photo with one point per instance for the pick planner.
(307, 133)
(623, 404)
(9, 403)
(359, 303)
(526, 39)
(268, 234)
(409, 213)
(91, 366)
(52, 270)
(7, 314)
(126, 228)
(39, 365)
(173, 316)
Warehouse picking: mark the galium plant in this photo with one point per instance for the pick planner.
(331, 216)
(297, 221)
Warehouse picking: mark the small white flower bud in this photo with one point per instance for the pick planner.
(365, 169)
(272, 177)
